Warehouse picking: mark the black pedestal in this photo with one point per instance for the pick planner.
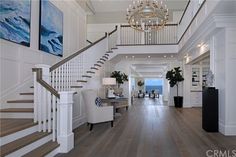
(210, 109)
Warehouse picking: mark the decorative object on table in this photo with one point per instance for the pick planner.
(51, 29)
(109, 82)
(120, 79)
(209, 79)
(15, 21)
(174, 76)
(148, 15)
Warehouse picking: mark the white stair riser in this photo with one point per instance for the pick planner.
(26, 97)
(53, 153)
(25, 115)
(31, 147)
(14, 136)
(17, 105)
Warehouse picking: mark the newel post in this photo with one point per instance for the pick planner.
(66, 136)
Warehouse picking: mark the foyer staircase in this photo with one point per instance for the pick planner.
(20, 135)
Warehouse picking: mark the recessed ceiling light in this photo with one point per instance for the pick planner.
(149, 56)
(164, 56)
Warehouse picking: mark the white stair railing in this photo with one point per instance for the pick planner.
(54, 89)
(166, 35)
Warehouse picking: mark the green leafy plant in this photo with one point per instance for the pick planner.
(140, 83)
(175, 77)
(120, 77)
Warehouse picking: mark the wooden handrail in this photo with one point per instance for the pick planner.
(113, 31)
(170, 24)
(184, 12)
(145, 44)
(39, 70)
(192, 20)
(90, 42)
(43, 83)
(75, 54)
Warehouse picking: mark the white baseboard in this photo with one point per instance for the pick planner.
(77, 121)
(227, 130)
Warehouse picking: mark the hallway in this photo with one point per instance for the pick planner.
(150, 130)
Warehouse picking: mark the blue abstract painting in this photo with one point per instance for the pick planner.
(15, 21)
(51, 29)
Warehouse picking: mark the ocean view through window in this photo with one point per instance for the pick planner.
(154, 84)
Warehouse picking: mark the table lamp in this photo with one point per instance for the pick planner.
(108, 81)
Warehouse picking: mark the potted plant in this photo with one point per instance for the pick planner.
(120, 77)
(174, 76)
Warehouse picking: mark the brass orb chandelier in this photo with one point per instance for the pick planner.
(147, 15)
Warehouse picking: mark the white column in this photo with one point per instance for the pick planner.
(187, 85)
(66, 136)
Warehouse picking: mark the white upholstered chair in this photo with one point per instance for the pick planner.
(96, 114)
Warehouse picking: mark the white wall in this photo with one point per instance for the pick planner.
(224, 64)
(17, 61)
(96, 31)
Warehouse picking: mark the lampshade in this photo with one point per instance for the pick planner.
(109, 81)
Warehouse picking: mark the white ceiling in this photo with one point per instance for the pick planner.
(121, 5)
(150, 70)
(152, 65)
(113, 11)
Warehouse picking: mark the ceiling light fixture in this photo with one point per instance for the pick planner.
(147, 15)
(164, 56)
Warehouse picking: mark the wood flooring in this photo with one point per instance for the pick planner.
(149, 129)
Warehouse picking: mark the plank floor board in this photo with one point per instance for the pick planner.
(150, 129)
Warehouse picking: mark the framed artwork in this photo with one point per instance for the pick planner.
(51, 29)
(15, 21)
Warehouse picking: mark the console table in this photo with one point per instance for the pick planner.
(117, 102)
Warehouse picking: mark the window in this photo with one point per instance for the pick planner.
(154, 84)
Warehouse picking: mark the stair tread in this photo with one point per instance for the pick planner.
(86, 76)
(43, 150)
(9, 125)
(22, 142)
(92, 72)
(82, 81)
(20, 101)
(76, 86)
(17, 110)
(27, 93)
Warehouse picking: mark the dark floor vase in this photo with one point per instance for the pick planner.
(178, 101)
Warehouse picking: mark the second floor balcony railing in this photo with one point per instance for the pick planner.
(166, 35)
